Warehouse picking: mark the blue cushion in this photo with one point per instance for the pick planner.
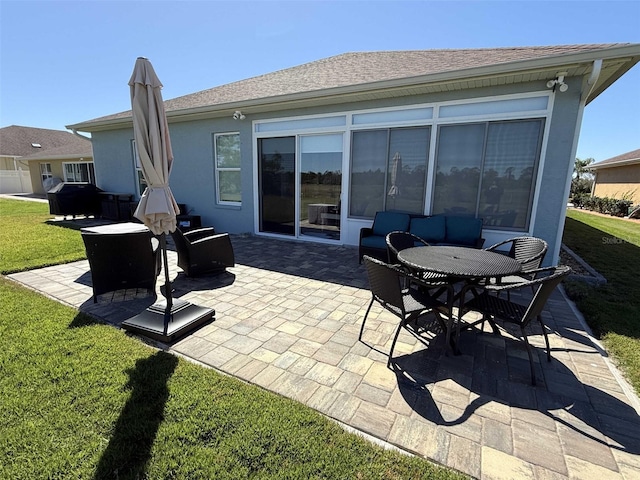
(430, 229)
(374, 241)
(387, 222)
(463, 230)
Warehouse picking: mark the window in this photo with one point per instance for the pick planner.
(227, 168)
(388, 170)
(45, 171)
(79, 172)
(488, 170)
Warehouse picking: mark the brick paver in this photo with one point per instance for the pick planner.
(288, 317)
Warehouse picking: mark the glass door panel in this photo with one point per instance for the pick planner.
(320, 185)
(276, 170)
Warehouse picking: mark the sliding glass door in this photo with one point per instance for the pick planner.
(300, 183)
(276, 171)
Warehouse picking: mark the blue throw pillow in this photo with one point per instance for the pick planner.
(463, 230)
(430, 229)
(387, 222)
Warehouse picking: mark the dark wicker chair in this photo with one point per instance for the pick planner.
(529, 251)
(493, 307)
(397, 241)
(203, 251)
(386, 284)
(122, 261)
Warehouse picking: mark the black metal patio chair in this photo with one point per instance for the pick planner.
(492, 307)
(386, 284)
(203, 251)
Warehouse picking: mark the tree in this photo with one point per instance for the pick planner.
(582, 180)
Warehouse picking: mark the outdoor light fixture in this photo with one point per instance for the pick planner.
(558, 82)
(237, 115)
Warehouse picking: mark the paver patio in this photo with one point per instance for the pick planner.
(287, 319)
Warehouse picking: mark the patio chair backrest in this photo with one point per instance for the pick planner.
(529, 251)
(398, 241)
(545, 286)
(384, 282)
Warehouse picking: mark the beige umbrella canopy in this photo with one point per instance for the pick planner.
(157, 208)
(396, 170)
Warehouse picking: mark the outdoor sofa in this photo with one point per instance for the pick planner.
(456, 230)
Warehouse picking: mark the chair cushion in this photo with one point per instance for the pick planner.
(374, 241)
(463, 230)
(430, 229)
(386, 222)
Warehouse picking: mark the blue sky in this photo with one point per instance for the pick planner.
(66, 62)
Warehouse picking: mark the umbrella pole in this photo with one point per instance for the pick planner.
(167, 283)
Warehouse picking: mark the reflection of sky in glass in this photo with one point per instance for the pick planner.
(321, 153)
(460, 146)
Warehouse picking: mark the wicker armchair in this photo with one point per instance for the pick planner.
(203, 251)
(122, 261)
(386, 283)
(529, 251)
(493, 307)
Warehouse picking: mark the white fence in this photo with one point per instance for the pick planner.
(15, 181)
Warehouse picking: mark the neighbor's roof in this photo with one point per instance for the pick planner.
(30, 143)
(374, 75)
(628, 158)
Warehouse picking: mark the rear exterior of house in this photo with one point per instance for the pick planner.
(312, 152)
(618, 177)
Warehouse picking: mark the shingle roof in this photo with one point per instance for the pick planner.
(358, 70)
(17, 141)
(624, 159)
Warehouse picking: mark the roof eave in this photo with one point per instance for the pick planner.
(619, 163)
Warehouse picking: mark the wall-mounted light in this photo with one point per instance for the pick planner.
(237, 115)
(558, 82)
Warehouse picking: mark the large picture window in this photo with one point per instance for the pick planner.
(227, 168)
(488, 170)
(388, 170)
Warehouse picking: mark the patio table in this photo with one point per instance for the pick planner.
(457, 264)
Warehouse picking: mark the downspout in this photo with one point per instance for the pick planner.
(588, 88)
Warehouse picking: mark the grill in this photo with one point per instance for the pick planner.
(74, 198)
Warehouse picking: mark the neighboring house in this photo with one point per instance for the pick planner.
(44, 154)
(312, 152)
(618, 177)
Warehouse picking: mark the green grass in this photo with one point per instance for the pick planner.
(27, 242)
(612, 247)
(80, 400)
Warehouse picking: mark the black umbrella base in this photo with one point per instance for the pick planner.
(183, 318)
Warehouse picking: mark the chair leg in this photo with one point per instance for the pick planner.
(393, 344)
(546, 338)
(365, 318)
(531, 364)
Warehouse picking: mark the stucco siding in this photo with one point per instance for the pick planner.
(618, 182)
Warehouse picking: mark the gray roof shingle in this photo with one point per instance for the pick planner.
(359, 69)
(17, 141)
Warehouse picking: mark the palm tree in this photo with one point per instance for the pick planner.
(580, 166)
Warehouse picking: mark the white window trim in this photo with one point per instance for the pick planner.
(434, 122)
(64, 170)
(217, 169)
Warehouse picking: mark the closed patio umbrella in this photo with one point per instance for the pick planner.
(394, 180)
(157, 208)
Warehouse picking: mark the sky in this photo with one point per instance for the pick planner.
(65, 62)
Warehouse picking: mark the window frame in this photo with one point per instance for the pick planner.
(91, 173)
(218, 169)
(45, 171)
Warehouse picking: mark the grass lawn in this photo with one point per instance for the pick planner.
(611, 246)
(80, 399)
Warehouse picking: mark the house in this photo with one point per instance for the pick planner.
(312, 152)
(40, 154)
(618, 177)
